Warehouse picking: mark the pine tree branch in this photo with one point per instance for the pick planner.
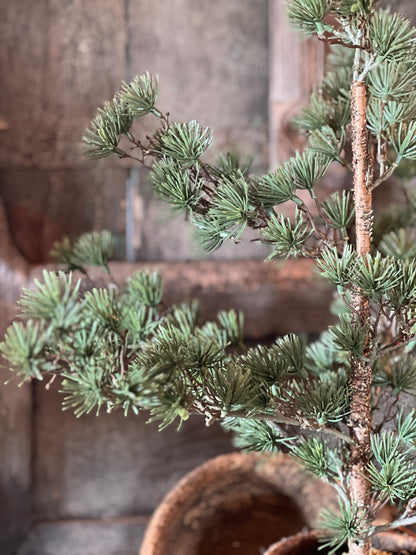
(333, 40)
(279, 418)
(394, 346)
(407, 518)
(384, 176)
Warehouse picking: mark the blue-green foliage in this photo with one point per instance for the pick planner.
(121, 347)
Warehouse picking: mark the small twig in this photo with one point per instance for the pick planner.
(394, 346)
(383, 177)
(279, 418)
(399, 522)
(333, 40)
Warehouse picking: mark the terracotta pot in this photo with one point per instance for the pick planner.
(236, 503)
(304, 543)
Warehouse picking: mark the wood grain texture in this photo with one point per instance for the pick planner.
(15, 453)
(86, 537)
(61, 60)
(296, 66)
(111, 465)
(15, 409)
(211, 57)
(43, 205)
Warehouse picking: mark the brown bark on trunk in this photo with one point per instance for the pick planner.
(360, 381)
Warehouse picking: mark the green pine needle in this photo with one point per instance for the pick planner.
(308, 169)
(339, 208)
(335, 268)
(404, 140)
(210, 232)
(184, 317)
(404, 293)
(350, 337)
(317, 457)
(393, 472)
(392, 36)
(406, 427)
(174, 185)
(55, 300)
(101, 138)
(375, 275)
(349, 7)
(309, 16)
(324, 400)
(94, 249)
(328, 142)
(337, 82)
(383, 118)
(321, 355)
(183, 142)
(275, 188)
(229, 165)
(292, 348)
(391, 81)
(84, 391)
(235, 389)
(267, 364)
(90, 249)
(140, 95)
(24, 348)
(172, 402)
(230, 206)
(233, 324)
(399, 375)
(255, 435)
(145, 288)
(287, 239)
(337, 529)
(324, 111)
(105, 305)
(400, 244)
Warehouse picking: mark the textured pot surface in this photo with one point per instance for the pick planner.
(303, 543)
(306, 543)
(235, 503)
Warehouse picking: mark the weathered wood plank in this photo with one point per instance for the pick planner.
(60, 62)
(15, 410)
(15, 453)
(44, 205)
(296, 65)
(405, 7)
(107, 537)
(212, 60)
(111, 465)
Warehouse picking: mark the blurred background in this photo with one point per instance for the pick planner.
(88, 486)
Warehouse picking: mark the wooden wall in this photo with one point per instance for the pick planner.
(60, 60)
(63, 59)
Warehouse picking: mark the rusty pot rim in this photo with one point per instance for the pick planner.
(296, 540)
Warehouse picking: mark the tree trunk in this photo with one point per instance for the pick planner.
(360, 381)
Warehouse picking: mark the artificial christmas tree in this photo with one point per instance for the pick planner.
(332, 404)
